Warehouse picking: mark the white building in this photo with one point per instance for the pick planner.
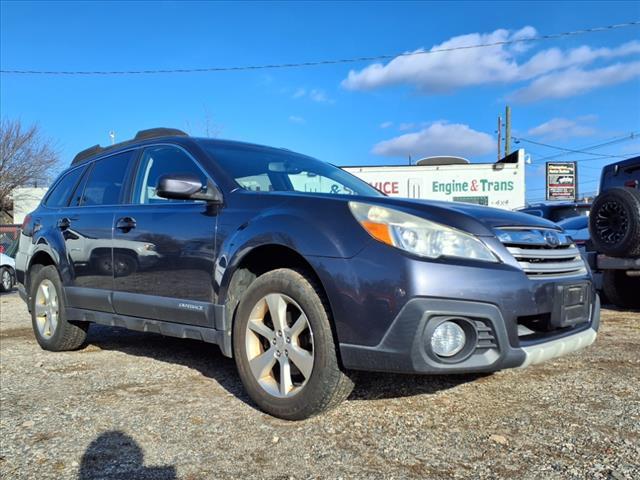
(500, 184)
(25, 201)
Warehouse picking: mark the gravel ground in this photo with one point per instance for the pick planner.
(132, 405)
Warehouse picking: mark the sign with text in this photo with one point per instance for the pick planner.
(499, 185)
(562, 181)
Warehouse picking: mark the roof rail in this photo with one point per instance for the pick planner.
(141, 135)
(86, 153)
(159, 132)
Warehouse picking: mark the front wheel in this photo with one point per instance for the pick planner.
(284, 349)
(6, 279)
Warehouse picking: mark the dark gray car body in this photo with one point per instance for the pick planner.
(383, 301)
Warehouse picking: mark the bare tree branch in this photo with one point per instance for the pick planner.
(27, 158)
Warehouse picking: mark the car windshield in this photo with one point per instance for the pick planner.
(270, 170)
(574, 223)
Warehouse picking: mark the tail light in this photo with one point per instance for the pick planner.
(26, 221)
(25, 225)
(631, 183)
(2, 249)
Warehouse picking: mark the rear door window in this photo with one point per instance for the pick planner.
(106, 180)
(59, 196)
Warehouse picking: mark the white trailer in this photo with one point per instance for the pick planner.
(500, 184)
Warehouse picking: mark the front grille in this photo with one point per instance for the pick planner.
(546, 262)
(543, 253)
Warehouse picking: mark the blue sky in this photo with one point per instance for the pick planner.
(571, 92)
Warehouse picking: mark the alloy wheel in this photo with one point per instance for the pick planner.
(46, 308)
(6, 280)
(279, 345)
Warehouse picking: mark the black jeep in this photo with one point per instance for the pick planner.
(614, 225)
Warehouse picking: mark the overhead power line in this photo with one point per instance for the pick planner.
(550, 36)
(585, 182)
(583, 151)
(610, 141)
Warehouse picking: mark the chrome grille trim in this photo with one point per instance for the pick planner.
(545, 253)
(546, 262)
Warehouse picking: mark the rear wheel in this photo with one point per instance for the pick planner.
(50, 326)
(621, 289)
(284, 349)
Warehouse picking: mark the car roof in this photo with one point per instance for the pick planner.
(624, 164)
(145, 137)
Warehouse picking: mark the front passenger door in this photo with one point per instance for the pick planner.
(163, 249)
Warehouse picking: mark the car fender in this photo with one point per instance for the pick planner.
(50, 242)
(290, 230)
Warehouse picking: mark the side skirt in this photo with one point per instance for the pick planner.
(168, 329)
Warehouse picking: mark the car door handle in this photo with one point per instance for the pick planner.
(125, 224)
(64, 223)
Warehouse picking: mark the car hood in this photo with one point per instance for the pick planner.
(7, 260)
(475, 219)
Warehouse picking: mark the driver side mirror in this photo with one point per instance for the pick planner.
(187, 187)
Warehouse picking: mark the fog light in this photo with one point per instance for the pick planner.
(448, 339)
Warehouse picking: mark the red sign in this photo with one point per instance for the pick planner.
(387, 187)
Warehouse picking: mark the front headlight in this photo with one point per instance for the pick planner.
(418, 235)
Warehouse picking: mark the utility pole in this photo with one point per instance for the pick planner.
(507, 131)
(499, 138)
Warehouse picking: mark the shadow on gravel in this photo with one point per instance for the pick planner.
(615, 308)
(114, 455)
(200, 356)
(208, 360)
(372, 386)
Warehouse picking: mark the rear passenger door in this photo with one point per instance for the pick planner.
(87, 228)
(164, 249)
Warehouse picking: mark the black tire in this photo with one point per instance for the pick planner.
(621, 289)
(124, 264)
(614, 222)
(327, 385)
(6, 279)
(67, 335)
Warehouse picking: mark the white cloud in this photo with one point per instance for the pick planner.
(320, 96)
(315, 94)
(403, 127)
(439, 138)
(575, 81)
(387, 124)
(450, 70)
(297, 119)
(564, 128)
(555, 59)
(526, 32)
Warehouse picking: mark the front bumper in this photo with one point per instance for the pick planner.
(557, 348)
(404, 347)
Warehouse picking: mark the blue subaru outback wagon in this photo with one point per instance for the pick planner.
(299, 271)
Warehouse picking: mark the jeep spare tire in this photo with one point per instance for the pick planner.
(614, 222)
